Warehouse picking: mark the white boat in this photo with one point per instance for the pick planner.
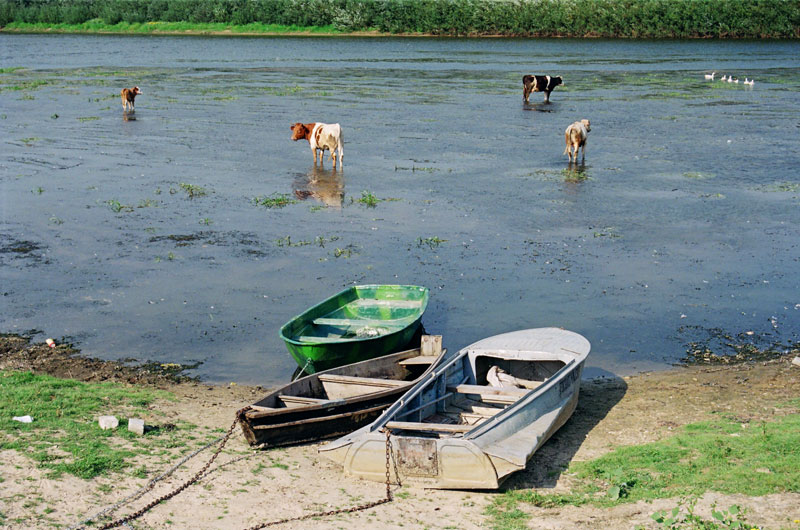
(478, 417)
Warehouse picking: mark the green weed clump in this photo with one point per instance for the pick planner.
(563, 18)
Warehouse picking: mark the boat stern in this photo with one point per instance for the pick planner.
(428, 462)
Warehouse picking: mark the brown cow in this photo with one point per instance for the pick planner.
(322, 136)
(128, 95)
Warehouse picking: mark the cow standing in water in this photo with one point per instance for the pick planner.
(322, 136)
(128, 96)
(539, 83)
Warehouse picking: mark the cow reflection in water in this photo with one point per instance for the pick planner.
(324, 185)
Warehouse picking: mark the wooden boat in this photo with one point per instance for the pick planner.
(476, 418)
(337, 401)
(359, 323)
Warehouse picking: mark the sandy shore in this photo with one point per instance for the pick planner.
(245, 488)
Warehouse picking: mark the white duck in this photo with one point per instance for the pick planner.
(730, 79)
(710, 76)
(723, 78)
(746, 82)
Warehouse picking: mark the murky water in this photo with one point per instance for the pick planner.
(138, 236)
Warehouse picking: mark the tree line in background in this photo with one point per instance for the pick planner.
(565, 18)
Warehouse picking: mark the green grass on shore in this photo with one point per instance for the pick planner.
(721, 455)
(64, 436)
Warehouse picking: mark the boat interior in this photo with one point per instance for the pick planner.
(360, 318)
(390, 372)
(460, 398)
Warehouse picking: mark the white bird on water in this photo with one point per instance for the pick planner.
(730, 79)
(724, 78)
(711, 75)
(746, 82)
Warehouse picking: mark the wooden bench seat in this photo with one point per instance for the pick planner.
(303, 400)
(404, 304)
(349, 322)
(366, 381)
(418, 360)
(308, 338)
(490, 394)
(420, 426)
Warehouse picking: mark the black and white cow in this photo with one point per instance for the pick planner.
(539, 83)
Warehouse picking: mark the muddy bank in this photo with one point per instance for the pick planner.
(240, 491)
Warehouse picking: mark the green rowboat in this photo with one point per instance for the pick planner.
(359, 323)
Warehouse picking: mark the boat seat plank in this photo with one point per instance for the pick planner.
(419, 426)
(404, 304)
(483, 390)
(259, 408)
(308, 338)
(301, 399)
(418, 360)
(342, 322)
(355, 380)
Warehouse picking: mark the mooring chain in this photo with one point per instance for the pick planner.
(135, 515)
(124, 521)
(352, 509)
(147, 487)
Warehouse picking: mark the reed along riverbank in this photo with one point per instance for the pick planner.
(522, 18)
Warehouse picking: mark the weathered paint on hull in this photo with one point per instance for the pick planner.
(458, 463)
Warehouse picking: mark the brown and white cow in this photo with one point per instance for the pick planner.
(128, 95)
(575, 138)
(322, 136)
(539, 83)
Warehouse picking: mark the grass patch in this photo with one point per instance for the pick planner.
(193, 190)
(27, 85)
(683, 517)
(430, 242)
(719, 455)
(698, 175)
(368, 199)
(118, 207)
(782, 187)
(64, 436)
(276, 200)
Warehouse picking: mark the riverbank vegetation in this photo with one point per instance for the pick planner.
(527, 18)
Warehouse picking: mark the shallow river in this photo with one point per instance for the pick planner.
(138, 236)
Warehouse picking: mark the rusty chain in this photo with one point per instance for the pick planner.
(135, 515)
(352, 509)
(123, 521)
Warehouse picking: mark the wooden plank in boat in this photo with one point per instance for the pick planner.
(419, 359)
(355, 380)
(404, 304)
(308, 338)
(323, 321)
(419, 426)
(303, 400)
(483, 390)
